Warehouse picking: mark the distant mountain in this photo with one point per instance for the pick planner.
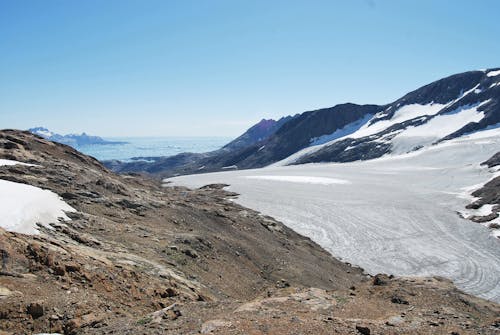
(201, 162)
(73, 140)
(257, 133)
(443, 110)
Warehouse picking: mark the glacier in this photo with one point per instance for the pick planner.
(398, 214)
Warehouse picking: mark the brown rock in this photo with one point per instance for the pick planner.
(377, 281)
(72, 267)
(35, 310)
(59, 270)
(72, 326)
(363, 330)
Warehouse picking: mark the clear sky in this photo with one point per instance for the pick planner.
(215, 67)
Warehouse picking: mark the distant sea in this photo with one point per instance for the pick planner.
(152, 147)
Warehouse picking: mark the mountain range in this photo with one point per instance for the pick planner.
(442, 110)
(74, 140)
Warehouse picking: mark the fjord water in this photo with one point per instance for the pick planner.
(152, 147)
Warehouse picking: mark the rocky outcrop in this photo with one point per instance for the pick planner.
(488, 195)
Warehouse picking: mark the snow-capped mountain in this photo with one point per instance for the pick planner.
(74, 140)
(440, 111)
(41, 131)
(443, 110)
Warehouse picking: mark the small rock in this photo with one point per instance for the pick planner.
(378, 281)
(72, 267)
(167, 293)
(171, 312)
(35, 310)
(72, 326)
(59, 270)
(363, 330)
(398, 300)
(395, 321)
(4, 291)
(209, 326)
(282, 284)
(190, 253)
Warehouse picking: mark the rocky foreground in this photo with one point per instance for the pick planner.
(137, 258)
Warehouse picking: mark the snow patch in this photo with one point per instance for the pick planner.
(405, 113)
(23, 206)
(436, 128)
(8, 162)
(493, 73)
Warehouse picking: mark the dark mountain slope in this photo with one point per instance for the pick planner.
(257, 133)
(299, 133)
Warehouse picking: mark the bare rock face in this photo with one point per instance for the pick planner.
(493, 161)
(489, 194)
(136, 257)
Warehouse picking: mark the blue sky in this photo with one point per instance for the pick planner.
(171, 68)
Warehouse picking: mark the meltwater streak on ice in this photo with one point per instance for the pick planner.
(398, 214)
(152, 147)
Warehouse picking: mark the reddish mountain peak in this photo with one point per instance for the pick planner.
(266, 124)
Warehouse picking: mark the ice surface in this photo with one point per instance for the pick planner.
(23, 206)
(302, 179)
(398, 215)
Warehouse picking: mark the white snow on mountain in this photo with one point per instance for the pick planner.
(397, 215)
(41, 131)
(405, 113)
(5, 162)
(493, 73)
(436, 128)
(23, 206)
